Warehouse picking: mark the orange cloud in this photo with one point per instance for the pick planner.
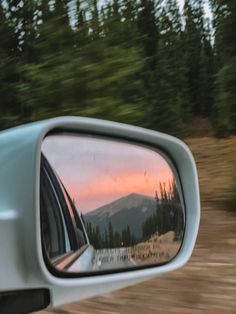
(106, 189)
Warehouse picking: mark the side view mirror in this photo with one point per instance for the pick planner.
(89, 206)
(121, 201)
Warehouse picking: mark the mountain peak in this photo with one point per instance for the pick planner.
(126, 202)
(131, 210)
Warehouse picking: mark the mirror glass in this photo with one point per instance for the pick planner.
(108, 204)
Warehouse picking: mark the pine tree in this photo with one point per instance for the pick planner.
(169, 82)
(45, 11)
(207, 71)
(63, 37)
(193, 46)
(110, 235)
(82, 28)
(225, 48)
(94, 22)
(148, 29)
(129, 16)
(9, 72)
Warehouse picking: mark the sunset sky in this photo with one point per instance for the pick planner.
(96, 171)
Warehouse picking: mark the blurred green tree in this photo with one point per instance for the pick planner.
(225, 100)
(141, 62)
(193, 14)
(169, 103)
(9, 73)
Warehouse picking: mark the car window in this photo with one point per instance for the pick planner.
(78, 225)
(62, 229)
(54, 229)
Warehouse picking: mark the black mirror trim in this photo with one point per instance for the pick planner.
(24, 301)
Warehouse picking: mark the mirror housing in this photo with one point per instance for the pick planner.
(22, 266)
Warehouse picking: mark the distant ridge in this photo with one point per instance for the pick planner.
(131, 210)
(122, 203)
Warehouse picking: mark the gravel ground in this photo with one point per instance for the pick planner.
(207, 284)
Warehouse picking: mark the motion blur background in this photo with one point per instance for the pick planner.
(165, 65)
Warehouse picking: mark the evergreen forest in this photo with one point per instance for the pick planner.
(142, 62)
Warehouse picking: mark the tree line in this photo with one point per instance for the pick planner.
(110, 238)
(169, 214)
(142, 62)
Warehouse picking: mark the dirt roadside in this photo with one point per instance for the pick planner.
(207, 284)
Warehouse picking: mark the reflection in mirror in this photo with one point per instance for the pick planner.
(107, 204)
